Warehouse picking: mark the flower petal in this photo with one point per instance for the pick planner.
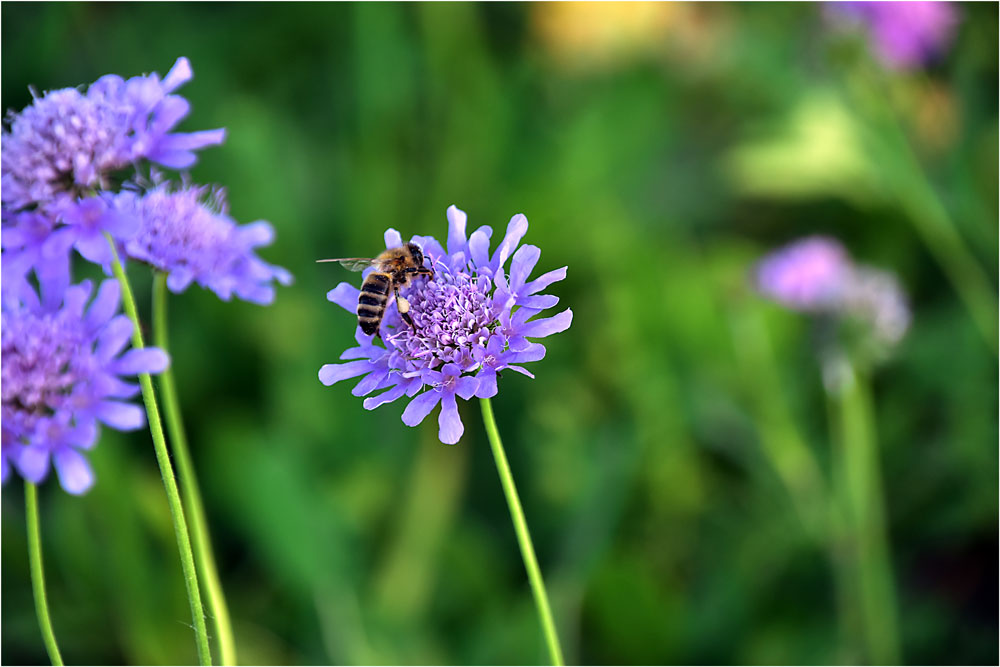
(547, 325)
(456, 230)
(544, 280)
(420, 407)
(179, 279)
(259, 233)
(104, 305)
(538, 301)
(146, 360)
(75, 473)
(516, 229)
(521, 265)
(122, 416)
(345, 295)
(487, 383)
(371, 382)
(534, 352)
(94, 248)
(393, 238)
(373, 402)
(173, 146)
(32, 461)
(332, 373)
(466, 387)
(114, 337)
(522, 371)
(178, 75)
(450, 427)
(479, 247)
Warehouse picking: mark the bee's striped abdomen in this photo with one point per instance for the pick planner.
(372, 300)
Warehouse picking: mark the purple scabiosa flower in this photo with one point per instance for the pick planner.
(187, 233)
(903, 35)
(808, 274)
(816, 275)
(67, 142)
(473, 319)
(62, 363)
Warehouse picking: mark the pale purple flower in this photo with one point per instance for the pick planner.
(59, 155)
(903, 35)
(816, 275)
(876, 297)
(187, 233)
(807, 274)
(67, 143)
(62, 363)
(473, 319)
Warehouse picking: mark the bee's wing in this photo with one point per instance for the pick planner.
(352, 263)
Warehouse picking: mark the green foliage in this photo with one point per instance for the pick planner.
(673, 454)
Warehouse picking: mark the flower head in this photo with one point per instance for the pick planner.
(67, 143)
(472, 319)
(187, 233)
(816, 275)
(807, 274)
(62, 363)
(903, 35)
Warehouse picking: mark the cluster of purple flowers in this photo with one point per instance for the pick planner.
(473, 319)
(903, 35)
(59, 159)
(816, 275)
(65, 186)
(61, 368)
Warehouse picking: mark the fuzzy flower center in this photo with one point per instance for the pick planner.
(38, 364)
(64, 141)
(452, 313)
(178, 229)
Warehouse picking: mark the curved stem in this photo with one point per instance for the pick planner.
(200, 537)
(38, 573)
(523, 537)
(166, 471)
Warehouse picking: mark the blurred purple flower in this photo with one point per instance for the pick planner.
(188, 234)
(807, 274)
(903, 35)
(473, 320)
(66, 143)
(815, 274)
(61, 367)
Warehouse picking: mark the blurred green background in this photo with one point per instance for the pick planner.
(656, 150)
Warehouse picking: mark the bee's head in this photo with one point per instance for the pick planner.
(418, 254)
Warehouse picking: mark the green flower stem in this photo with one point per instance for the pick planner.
(38, 573)
(200, 537)
(166, 471)
(523, 537)
(861, 504)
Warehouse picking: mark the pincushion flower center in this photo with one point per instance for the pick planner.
(37, 365)
(451, 314)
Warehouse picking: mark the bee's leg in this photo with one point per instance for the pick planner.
(420, 271)
(404, 310)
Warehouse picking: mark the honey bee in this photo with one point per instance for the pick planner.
(394, 269)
